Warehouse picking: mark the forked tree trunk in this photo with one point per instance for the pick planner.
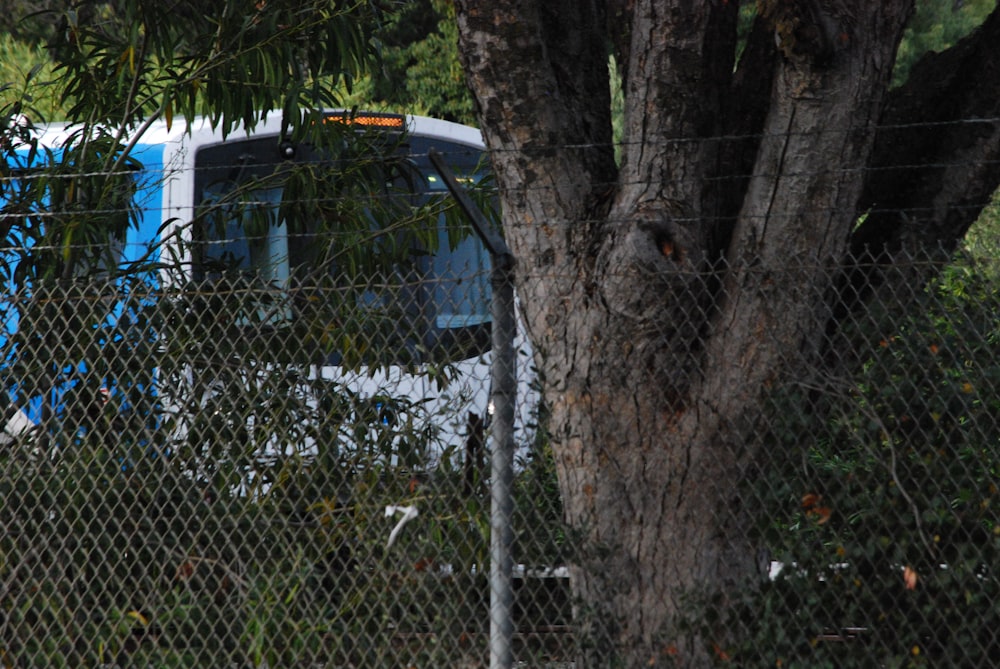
(664, 295)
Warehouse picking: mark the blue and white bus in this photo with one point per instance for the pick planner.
(210, 208)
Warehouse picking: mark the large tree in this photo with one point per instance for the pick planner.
(663, 292)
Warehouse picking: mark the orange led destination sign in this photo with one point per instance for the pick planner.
(370, 120)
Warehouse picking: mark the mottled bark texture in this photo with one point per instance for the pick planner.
(664, 293)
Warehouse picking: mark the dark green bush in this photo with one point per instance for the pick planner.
(880, 498)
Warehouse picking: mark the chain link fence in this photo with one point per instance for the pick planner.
(875, 497)
(871, 496)
(220, 471)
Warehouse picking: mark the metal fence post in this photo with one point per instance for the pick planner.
(503, 396)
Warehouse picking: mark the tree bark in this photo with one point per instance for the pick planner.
(665, 296)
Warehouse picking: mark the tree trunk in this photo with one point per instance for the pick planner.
(665, 296)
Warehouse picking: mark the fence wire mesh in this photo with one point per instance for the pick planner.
(236, 473)
(874, 500)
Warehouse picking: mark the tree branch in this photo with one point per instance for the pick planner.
(745, 111)
(685, 73)
(541, 83)
(935, 162)
(539, 73)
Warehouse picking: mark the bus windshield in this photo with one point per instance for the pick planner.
(395, 271)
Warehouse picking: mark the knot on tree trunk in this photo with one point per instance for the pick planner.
(654, 287)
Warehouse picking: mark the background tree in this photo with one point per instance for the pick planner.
(30, 20)
(937, 25)
(419, 70)
(664, 294)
